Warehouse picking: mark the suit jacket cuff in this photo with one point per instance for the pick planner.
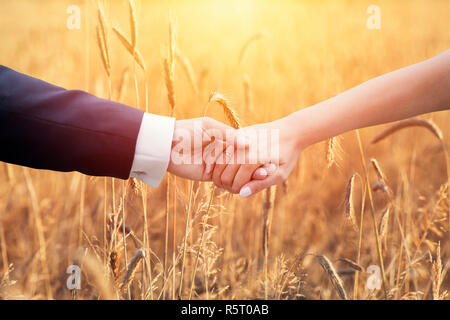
(153, 147)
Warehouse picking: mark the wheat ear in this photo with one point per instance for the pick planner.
(246, 45)
(334, 151)
(349, 205)
(437, 273)
(128, 46)
(187, 68)
(383, 224)
(132, 267)
(133, 23)
(230, 114)
(332, 275)
(351, 264)
(168, 76)
(378, 170)
(101, 41)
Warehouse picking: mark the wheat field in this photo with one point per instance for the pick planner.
(314, 237)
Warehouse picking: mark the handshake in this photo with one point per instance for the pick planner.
(243, 161)
(47, 127)
(250, 159)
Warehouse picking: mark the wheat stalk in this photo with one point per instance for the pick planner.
(186, 232)
(123, 85)
(202, 78)
(103, 52)
(267, 217)
(102, 39)
(430, 126)
(171, 44)
(247, 91)
(267, 224)
(202, 237)
(169, 76)
(415, 122)
(372, 211)
(93, 268)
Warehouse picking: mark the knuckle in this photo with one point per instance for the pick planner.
(226, 180)
(217, 181)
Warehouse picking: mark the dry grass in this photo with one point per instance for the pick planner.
(195, 242)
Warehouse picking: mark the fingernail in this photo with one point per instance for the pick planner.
(208, 168)
(245, 192)
(221, 189)
(262, 172)
(271, 168)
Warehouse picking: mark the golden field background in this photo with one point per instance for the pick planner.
(309, 51)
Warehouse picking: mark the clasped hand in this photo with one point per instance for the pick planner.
(243, 161)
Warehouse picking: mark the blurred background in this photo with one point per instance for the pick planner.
(269, 58)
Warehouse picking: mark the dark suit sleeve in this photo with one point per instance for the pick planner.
(47, 127)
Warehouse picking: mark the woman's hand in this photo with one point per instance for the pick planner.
(276, 147)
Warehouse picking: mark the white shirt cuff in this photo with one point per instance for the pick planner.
(153, 147)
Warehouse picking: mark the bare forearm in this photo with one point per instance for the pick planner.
(410, 91)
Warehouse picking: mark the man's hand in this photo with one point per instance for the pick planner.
(199, 144)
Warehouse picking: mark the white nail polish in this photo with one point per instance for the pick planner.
(245, 192)
(271, 168)
(262, 172)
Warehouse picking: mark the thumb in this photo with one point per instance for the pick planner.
(256, 186)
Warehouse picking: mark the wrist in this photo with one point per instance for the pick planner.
(294, 128)
(313, 124)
